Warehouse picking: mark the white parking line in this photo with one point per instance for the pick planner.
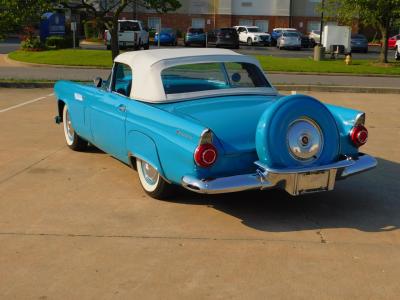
(25, 103)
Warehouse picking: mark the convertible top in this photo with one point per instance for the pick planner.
(147, 67)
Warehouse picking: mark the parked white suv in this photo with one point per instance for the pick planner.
(131, 33)
(397, 50)
(315, 37)
(252, 35)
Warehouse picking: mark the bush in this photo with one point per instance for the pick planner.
(91, 30)
(55, 42)
(60, 42)
(31, 44)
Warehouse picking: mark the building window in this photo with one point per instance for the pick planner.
(245, 22)
(262, 24)
(154, 23)
(313, 25)
(198, 23)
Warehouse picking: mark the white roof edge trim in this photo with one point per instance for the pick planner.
(220, 93)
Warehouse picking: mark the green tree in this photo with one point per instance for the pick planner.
(109, 14)
(380, 14)
(16, 14)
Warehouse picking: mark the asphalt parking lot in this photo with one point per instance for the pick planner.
(78, 225)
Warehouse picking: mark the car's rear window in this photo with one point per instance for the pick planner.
(291, 34)
(253, 29)
(196, 30)
(129, 26)
(211, 76)
(228, 30)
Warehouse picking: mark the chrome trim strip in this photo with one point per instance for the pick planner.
(287, 179)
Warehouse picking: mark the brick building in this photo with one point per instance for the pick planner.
(209, 14)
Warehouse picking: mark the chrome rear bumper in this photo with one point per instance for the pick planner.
(294, 181)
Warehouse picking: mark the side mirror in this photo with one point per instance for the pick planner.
(98, 82)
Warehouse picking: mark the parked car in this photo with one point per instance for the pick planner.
(252, 35)
(224, 37)
(210, 121)
(277, 32)
(131, 33)
(305, 41)
(289, 40)
(393, 40)
(359, 43)
(195, 36)
(167, 36)
(397, 50)
(315, 37)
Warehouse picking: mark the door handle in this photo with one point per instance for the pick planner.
(122, 107)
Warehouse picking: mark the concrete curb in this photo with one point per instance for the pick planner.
(334, 74)
(280, 87)
(25, 85)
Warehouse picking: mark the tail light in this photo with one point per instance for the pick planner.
(205, 155)
(359, 135)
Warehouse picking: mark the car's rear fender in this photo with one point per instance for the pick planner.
(162, 139)
(141, 146)
(345, 119)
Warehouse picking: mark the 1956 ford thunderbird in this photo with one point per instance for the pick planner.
(209, 120)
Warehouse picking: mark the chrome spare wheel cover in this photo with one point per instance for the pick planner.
(305, 140)
(150, 174)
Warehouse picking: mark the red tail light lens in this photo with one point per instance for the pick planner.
(359, 135)
(205, 155)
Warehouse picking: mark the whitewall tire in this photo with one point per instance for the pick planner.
(73, 140)
(151, 181)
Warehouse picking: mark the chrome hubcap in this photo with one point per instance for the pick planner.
(70, 130)
(304, 139)
(150, 174)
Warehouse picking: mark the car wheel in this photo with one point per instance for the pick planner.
(152, 183)
(146, 46)
(74, 141)
(249, 42)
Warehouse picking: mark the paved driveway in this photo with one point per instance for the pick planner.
(78, 225)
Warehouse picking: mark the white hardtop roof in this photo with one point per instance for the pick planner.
(147, 66)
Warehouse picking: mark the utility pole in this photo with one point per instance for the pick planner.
(322, 22)
(291, 13)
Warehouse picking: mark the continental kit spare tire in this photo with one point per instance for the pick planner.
(297, 131)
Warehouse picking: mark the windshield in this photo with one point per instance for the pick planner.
(129, 26)
(166, 30)
(253, 29)
(358, 37)
(196, 30)
(211, 76)
(291, 34)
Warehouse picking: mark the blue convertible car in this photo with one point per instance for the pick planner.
(209, 120)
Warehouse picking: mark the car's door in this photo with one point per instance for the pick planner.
(212, 36)
(242, 34)
(108, 113)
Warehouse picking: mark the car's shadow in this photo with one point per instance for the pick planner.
(367, 202)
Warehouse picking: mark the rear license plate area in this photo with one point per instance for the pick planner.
(311, 182)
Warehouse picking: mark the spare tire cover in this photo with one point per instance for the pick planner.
(272, 132)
